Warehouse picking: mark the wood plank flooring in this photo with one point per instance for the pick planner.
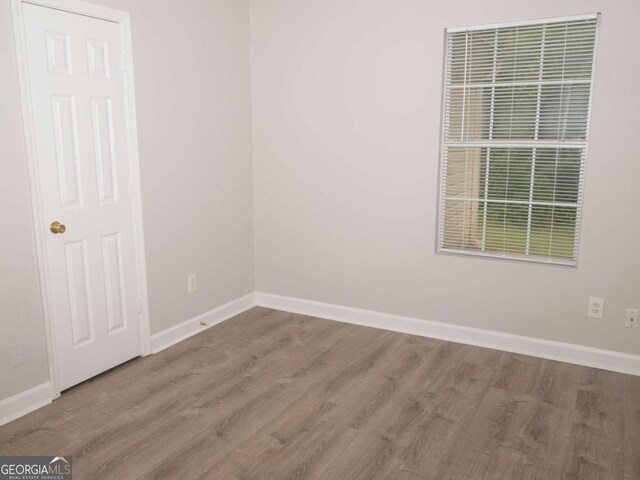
(272, 395)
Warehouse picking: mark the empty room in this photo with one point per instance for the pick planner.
(320, 239)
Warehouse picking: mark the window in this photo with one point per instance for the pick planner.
(515, 128)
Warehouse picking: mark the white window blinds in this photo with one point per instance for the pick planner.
(516, 120)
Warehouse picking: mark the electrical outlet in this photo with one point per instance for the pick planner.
(631, 319)
(596, 307)
(16, 357)
(192, 283)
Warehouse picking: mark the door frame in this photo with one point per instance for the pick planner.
(40, 227)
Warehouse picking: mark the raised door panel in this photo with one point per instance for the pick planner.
(67, 150)
(114, 282)
(104, 149)
(79, 289)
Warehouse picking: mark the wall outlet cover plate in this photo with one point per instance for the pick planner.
(596, 307)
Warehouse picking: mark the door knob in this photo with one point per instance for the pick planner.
(57, 227)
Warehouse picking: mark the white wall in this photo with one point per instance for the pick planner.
(20, 306)
(346, 119)
(194, 124)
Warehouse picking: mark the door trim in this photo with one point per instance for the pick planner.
(40, 229)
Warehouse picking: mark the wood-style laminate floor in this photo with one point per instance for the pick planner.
(272, 395)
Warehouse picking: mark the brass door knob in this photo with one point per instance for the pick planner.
(57, 227)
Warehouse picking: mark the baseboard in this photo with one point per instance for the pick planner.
(188, 328)
(564, 352)
(25, 402)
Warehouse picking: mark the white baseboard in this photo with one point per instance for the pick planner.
(171, 336)
(25, 402)
(564, 352)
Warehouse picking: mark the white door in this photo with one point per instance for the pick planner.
(77, 91)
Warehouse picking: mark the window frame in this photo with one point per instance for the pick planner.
(440, 214)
